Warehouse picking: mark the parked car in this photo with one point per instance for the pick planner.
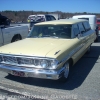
(40, 18)
(50, 50)
(12, 33)
(31, 18)
(92, 22)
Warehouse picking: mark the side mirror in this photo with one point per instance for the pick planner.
(78, 36)
(82, 32)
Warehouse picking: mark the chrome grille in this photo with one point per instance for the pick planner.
(16, 60)
(28, 61)
(24, 61)
(9, 59)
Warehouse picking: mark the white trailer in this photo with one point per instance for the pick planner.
(92, 21)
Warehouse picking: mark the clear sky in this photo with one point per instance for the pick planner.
(91, 6)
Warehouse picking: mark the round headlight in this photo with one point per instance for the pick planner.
(44, 63)
(53, 64)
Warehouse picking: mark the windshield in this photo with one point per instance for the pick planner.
(55, 31)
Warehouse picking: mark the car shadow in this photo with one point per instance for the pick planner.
(79, 73)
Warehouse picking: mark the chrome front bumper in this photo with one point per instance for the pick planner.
(32, 72)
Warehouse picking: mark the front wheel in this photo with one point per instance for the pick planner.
(66, 73)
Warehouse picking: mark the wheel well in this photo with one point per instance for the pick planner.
(16, 36)
(70, 61)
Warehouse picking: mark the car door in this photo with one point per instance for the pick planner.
(88, 34)
(8, 33)
(79, 47)
(84, 36)
(1, 38)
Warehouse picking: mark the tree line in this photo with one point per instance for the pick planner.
(21, 16)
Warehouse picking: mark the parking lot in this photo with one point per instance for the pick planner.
(83, 83)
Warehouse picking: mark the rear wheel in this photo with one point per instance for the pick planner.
(16, 39)
(89, 49)
(97, 39)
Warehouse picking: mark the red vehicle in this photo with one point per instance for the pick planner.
(98, 23)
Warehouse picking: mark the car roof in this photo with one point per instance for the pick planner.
(62, 21)
(84, 16)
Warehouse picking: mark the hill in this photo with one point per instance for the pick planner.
(21, 16)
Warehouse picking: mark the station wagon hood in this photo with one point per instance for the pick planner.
(33, 46)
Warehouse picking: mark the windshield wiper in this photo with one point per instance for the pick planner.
(50, 36)
(32, 37)
(54, 37)
(43, 36)
(46, 36)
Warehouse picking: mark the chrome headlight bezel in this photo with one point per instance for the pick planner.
(44, 63)
(47, 63)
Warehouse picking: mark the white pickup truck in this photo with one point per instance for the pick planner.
(10, 34)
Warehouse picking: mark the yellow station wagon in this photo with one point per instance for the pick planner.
(49, 51)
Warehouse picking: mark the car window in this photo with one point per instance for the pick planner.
(48, 18)
(75, 30)
(84, 18)
(53, 18)
(86, 25)
(81, 27)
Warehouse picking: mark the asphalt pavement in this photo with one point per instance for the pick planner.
(83, 83)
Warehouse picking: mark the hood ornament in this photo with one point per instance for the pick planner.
(57, 52)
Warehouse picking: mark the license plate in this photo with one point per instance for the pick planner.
(16, 73)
